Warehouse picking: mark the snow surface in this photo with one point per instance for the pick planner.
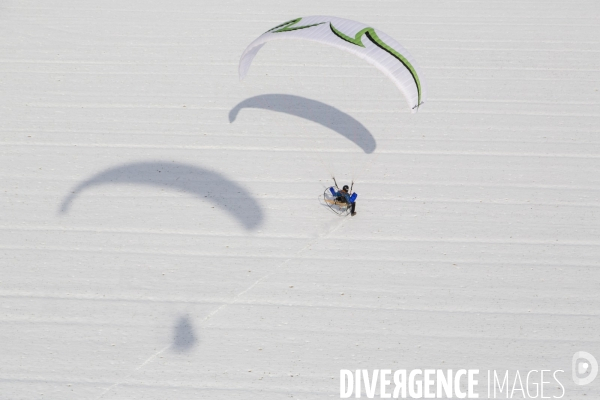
(161, 234)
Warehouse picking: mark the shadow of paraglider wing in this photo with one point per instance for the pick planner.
(316, 111)
(202, 183)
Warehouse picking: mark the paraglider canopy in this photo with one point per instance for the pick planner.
(357, 38)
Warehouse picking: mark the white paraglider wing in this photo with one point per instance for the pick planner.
(362, 40)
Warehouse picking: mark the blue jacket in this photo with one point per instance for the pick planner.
(349, 199)
(345, 195)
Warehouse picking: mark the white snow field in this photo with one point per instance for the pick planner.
(161, 235)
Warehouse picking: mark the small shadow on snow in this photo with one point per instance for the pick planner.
(184, 337)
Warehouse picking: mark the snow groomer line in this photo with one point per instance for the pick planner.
(368, 43)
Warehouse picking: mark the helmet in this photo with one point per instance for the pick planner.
(345, 187)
